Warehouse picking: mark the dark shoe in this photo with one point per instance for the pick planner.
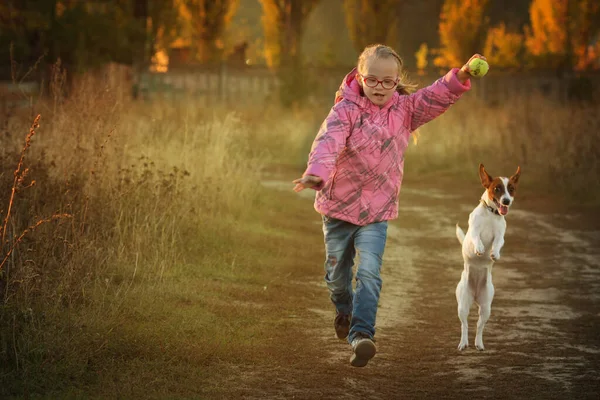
(364, 349)
(341, 323)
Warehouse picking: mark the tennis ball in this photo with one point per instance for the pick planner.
(478, 67)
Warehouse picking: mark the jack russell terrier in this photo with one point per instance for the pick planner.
(481, 248)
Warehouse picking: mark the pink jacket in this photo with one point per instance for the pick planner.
(359, 150)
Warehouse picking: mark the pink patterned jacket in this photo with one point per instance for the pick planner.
(359, 150)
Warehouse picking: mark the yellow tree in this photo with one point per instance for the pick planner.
(462, 27)
(283, 23)
(561, 31)
(503, 49)
(546, 37)
(585, 27)
(371, 22)
(271, 28)
(209, 18)
(164, 20)
(421, 56)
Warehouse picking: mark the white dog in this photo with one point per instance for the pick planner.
(480, 248)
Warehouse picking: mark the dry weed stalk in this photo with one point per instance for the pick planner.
(19, 177)
(100, 152)
(29, 229)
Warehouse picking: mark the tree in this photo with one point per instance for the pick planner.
(82, 34)
(209, 18)
(24, 30)
(283, 24)
(546, 37)
(165, 23)
(585, 28)
(326, 40)
(271, 28)
(421, 57)
(412, 32)
(561, 33)
(462, 28)
(371, 22)
(503, 49)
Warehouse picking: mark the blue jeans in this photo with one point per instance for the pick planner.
(342, 242)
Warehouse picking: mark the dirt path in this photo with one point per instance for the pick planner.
(542, 340)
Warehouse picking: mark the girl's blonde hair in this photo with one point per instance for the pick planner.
(405, 86)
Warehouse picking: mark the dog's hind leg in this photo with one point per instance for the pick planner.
(464, 298)
(484, 299)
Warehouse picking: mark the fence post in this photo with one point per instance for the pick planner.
(222, 81)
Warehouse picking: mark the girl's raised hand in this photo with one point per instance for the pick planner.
(465, 71)
(306, 182)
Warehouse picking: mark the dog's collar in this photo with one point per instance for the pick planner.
(490, 209)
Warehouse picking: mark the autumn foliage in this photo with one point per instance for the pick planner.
(208, 21)
(561, 33)
(462, 24)
(283, 24)
(546, 38)
(503, 49)
(371, 22)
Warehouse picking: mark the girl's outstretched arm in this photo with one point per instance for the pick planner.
(432, 101)
(330, 141)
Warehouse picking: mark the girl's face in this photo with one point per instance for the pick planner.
(379, 79)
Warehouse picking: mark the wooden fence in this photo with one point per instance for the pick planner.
(256, 85)
(211, 84)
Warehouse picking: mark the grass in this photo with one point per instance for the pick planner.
(556, 146)
(161, 248)
(172, 267)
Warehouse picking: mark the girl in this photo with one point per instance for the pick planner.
(356, 166)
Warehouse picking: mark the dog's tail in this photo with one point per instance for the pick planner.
(460, 234)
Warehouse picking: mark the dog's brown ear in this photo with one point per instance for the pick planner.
(486, 179)
(515, 178)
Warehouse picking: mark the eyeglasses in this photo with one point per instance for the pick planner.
(373, 82)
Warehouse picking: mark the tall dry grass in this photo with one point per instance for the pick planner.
(164, 203)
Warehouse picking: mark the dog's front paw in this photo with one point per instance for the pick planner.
(479, 249)
(463, 345)
(495, 256)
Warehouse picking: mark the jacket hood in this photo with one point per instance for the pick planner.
(351, 90)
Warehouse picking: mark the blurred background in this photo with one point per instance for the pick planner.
(240, 47)
(138, 235)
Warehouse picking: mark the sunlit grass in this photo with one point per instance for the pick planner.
(165, 256)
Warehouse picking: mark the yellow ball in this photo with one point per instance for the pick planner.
(478, 67)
